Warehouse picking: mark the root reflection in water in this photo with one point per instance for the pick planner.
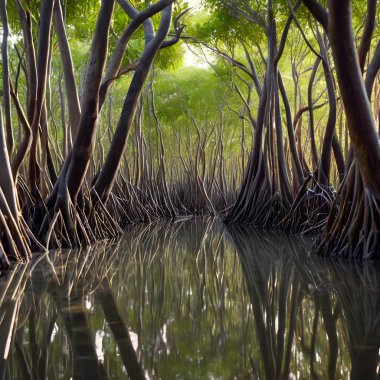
(190, 300)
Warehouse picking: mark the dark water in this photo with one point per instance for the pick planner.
(190, 300)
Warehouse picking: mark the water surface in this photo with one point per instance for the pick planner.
(190, 300)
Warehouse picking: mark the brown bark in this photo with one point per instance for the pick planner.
(46, 13)
(339, 158)
(318, 11)
(369, 27)
(314, 153)
(114, 65)
(107, 176)
(361, 125)
(27, 139)
(5, 73)
(6, 177)
(31, 72)
(291, 136)
(68, 69)
(372, 70)
(325, 162)
(84, 144)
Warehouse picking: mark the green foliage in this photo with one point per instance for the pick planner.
(196, 90)
(180, 89)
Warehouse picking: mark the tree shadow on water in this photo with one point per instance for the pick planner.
(47, 313)
(314, 318)
(188, 300)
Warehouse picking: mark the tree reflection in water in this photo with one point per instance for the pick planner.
(190, 300)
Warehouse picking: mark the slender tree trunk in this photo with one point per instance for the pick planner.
(31, 72)
(325, 162)
(6, 177)
(118, 54)
(361, 124)
(84, 144)
(107, 176)
(46, 13)
(339, 158)
(290, 129)
(369, 28)
(372, 70)
(5, 72)
(68, 69)
(314, 153)
(27, 139)
(65, 139)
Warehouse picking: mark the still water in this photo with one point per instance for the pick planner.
(190, 300)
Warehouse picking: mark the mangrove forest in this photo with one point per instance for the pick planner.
(190, 189)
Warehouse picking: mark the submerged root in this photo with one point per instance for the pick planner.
(355, 233)
(15, 239)
(72, 226)
(310, 209)
(4, 261)
(258, 204)
(265, 210)
(61, 223)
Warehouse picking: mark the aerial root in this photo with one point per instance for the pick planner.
(311, 208)
(13, 241)
(69, 225)
(356, 231)
(4, 261)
